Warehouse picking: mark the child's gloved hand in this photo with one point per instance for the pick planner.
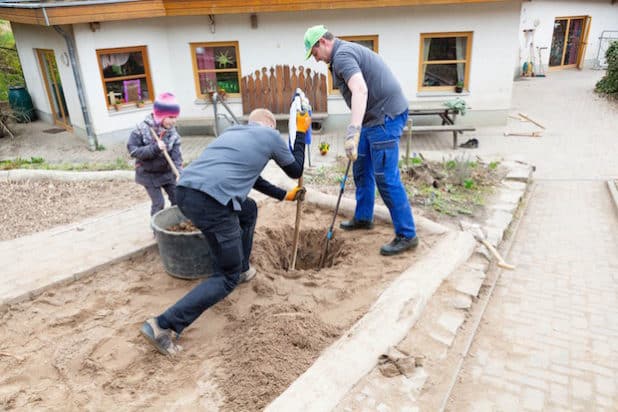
(161, 145)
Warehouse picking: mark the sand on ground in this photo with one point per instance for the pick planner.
(78, 347)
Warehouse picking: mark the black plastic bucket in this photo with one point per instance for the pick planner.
(185, 255)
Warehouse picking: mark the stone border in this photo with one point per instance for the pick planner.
(67, 176)
(613, 191)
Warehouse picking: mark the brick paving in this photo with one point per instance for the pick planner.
(549, 338)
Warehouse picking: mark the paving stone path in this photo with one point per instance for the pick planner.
(549, 338)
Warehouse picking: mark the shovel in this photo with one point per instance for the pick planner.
(329, 235)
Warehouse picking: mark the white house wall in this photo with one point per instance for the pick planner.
(604, 17)
(28, 38)
(278, 39)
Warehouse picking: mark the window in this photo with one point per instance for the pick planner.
(444, 61)
(370, 41)
(125, 74)
(216, 64)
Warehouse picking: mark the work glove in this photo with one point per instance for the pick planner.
(351, 142)
(298, 193)
(303, 121)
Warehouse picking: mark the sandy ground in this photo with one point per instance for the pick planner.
(34, 206)
(78, 347)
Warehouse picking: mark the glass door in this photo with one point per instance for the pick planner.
(53, 87)
(568, 41)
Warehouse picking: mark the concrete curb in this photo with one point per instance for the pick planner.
(386, 323)
(67, 176)
(613, 191)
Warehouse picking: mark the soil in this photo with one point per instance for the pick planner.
(33, 206)
(183, 227)
(78, 346)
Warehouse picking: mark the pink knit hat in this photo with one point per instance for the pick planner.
(165, 105)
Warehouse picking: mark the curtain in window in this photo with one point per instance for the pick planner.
(116, 59)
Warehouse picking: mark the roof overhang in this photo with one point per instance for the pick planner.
(49, 13)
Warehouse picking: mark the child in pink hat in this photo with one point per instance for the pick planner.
(151, 167)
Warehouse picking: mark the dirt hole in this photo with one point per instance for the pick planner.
(275, 249)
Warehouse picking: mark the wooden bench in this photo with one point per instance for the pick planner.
(454, 128)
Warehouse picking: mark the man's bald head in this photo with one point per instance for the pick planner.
(263, 117)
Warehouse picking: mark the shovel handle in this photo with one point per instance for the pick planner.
(296, 227)
(501, 263)
(167, 155)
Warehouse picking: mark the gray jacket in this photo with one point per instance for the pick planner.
(151, 167)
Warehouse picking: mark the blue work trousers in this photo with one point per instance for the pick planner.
(230, 236)
(378, 164)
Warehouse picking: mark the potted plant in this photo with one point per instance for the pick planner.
(459, 87)
(459, 105)
(117, 106)
(323, 148)
(140, 103)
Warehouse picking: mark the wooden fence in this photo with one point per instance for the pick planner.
(274, 87)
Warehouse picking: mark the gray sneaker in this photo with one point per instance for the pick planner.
(247, 275)
(161, 339)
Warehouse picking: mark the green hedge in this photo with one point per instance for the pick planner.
(609, 83)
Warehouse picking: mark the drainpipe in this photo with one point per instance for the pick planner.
(92, 139)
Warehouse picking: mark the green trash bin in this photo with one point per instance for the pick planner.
(21, 104)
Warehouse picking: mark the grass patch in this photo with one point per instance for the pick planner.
(39, 163)
(451, 187)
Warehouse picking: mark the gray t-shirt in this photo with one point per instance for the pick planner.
(228, 168)
(385, 97)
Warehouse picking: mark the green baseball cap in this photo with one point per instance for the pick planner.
(312, 35)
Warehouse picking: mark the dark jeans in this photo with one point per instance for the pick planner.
(230, 236)
(156, 197)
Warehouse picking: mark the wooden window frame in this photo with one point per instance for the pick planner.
(144, 51)
(581, 50)
(196, 72)
(421, 62)
(376, 47)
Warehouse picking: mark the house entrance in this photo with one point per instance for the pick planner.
(569, 42)
(53, 87)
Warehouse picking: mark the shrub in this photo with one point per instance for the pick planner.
(10, 67)
(609, 83)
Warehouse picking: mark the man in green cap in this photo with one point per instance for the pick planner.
(379, 114)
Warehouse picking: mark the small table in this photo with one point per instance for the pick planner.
(445, 113)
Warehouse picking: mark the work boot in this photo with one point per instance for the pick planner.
(160, 338)
(398, 245)
(356, 224)
(247, 275)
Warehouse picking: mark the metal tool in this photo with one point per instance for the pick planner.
(329, 235)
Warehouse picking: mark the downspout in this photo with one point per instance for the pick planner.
(92, 139)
